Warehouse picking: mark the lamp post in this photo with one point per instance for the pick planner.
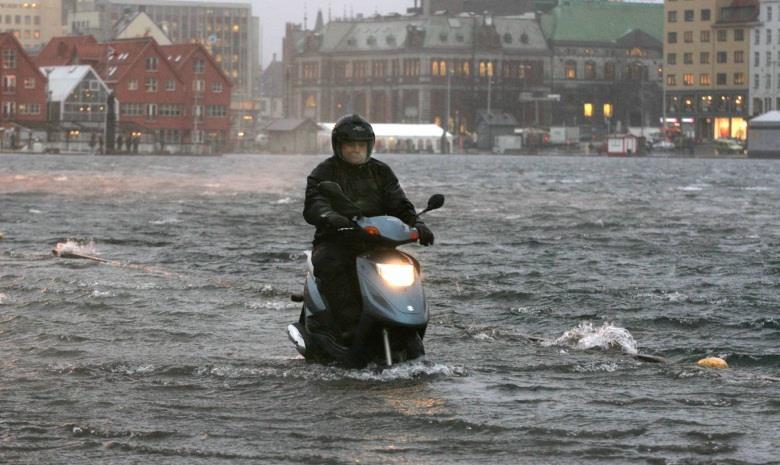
(449, 106)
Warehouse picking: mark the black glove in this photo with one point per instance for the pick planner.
(425, 234)
(337, 221)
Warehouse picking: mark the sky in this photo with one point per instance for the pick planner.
(274, 14)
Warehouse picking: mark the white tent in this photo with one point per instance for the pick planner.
(401, 138)
(764, 135)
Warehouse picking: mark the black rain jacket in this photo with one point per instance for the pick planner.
(372, 187)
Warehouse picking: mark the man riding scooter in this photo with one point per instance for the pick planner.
(373, 188)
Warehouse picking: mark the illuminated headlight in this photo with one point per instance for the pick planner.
(400, 275)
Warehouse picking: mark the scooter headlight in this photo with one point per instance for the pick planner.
(398, 275)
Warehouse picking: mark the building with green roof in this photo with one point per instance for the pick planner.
(606, 60)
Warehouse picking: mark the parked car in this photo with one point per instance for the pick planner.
(726, 146)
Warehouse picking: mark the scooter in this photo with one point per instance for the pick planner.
(395, 315)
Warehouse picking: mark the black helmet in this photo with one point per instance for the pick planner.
(352, 128)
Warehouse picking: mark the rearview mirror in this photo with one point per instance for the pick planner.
(436, 201)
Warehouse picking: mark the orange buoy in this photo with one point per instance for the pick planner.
(712, 362)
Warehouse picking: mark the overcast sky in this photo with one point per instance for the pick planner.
(274, 14)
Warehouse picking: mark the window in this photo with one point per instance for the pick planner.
(768, 36)
(757, 37)
(688, 37)
(769, 13)
(169, 109)
(688, 16)
(768, 81)
(704, 58)
(131, 109)
(151, 110)
(721, 57)
(9, 58)
(671, 80)
(671, 58)
(216, 111)
(722, 35)
(756, 59)
(216, 87)
(198, 85)
(197, 111)
(705, 14)
(688, 58)
(199, 66)
(609, 71)
(671, 17)
(755, 81)
(739, 35)
(571, 70)
(704, 36)
(590, 70)
(739, 56)
(688, 79)
(9, 109)
(704, 79)
(671, 37)
(720, 79)
(170, 85)
(486, 69)
(9, 84)
(151, 63)
(132, 85)
(768, 57)
(150, 84)
(29, 83)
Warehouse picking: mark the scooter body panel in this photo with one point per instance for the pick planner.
(397, 306)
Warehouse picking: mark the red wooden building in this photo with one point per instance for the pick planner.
(171, 98)
(209, 90)
(22, 90)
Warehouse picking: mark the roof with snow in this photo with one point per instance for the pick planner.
(63, 79)
(768, 119)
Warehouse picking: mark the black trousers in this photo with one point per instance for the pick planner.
(334, 267)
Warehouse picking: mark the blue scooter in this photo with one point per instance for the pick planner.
(395, 315)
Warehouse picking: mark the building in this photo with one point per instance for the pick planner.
(210, 91)
(272, 91)
(606, 59)
(78, 105)
(139, 24)
(171, 98)
(435, 68)
(765, 58)
(228, 31)
(764, 136)
(32, 23)
(22, 86)
(707, 47)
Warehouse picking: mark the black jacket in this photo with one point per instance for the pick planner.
(371, 186)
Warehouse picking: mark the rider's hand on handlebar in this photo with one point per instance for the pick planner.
(425, 234)
(338, 221)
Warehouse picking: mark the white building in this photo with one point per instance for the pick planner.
(765, 59)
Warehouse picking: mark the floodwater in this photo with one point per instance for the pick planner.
(174, 351)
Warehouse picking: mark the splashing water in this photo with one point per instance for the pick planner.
(71, 246)
(584, 337)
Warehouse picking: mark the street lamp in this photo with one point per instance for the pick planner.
(449, 103)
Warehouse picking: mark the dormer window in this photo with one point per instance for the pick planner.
(507, 38)
(151, 63)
